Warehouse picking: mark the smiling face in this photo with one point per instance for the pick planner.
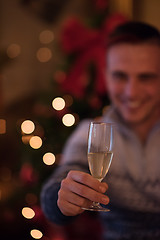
(133, 81)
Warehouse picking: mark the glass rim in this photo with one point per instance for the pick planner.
(105, 123)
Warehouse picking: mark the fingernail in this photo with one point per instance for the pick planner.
(102, 189)
(105, 200)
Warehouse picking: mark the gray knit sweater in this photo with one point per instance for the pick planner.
(133, 179)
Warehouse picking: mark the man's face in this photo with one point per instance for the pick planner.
(133, 81)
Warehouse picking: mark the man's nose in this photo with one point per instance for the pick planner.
(131, 89)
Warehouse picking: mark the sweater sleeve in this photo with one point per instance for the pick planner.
(49, 194)
(74, 158)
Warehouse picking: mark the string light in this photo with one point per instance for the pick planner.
(36, 234)
(68, 120)
(28, 212)
(46, 36)
(13, 50)
(44, 54)
(35, 142)
(58, 103)
(2, 126)
(49, 158)
(27, 126)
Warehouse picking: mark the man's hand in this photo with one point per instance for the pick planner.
(79, 190)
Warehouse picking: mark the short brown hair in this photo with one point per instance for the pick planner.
(134, 33)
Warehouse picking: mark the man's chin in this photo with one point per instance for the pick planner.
(129, 119)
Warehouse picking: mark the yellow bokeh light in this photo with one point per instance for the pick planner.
(28, 212)
(44, 54)
(36, 234)
(58, 103)
(46, 36)
(49, 158)
(68, 120)
(35, 142)
(27, 126)
(13, 50)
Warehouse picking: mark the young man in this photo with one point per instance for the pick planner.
(133, 85)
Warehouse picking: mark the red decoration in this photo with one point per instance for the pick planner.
(101, 4)
(28, 174)
(89, 46)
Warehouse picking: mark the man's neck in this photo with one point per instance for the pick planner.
(142, 129)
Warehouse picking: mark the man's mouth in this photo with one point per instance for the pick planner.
(133, 104)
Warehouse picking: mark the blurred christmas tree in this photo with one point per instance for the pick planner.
(39, 127)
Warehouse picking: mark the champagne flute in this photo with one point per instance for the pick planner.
(100, 153)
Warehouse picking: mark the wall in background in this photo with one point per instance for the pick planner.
(147, 11)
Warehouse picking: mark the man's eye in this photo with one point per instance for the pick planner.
(119, 76)
(148, 78)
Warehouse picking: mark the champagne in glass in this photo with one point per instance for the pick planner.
(99, 164)
(100, 153)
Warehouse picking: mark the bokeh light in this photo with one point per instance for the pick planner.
(36, 234)
(28, 212)
(44, 54)
(49, 158)
(68, 120)
(35, 142)
(13, 50)
(27, 126)
(2, 126)
(46, 36)
(58, 103)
